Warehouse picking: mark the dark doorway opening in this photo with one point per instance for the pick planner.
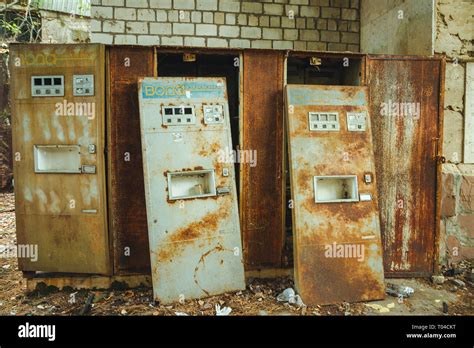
(314, 69)
(335, 71)
(209, 65)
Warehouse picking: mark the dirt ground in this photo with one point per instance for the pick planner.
(259, 298)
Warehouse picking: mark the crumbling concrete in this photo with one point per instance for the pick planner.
(454, 37)
(59, 27)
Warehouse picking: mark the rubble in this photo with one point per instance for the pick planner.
(289, 295)
(222, 311)
(399, 291)
(259, 298)
(458, 283)
(438, 279)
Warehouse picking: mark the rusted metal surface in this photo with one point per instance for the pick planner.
(63, 214)
(337, 245)
(87, 281)
(127, 210)
(194, 239)
(439, 169)
(262, 205)
(407, 146)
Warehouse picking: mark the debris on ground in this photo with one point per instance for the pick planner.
(288, 295)
(438, 279)
(222, 311)
(259, 297)
(445, 307)
(399, 291)
(377, 307)
(88, 305)
(459, 283)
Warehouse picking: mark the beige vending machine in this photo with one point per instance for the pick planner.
(191, 201)
(336, 229)
(58, 148)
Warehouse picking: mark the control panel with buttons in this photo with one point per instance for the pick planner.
(83, 85)
(47, 86)
(178, 115)
(356, 121)
(213, 114)
(324, 121)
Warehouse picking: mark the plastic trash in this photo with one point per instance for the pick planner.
(223, 310)
(286, 295)
(289, 295)
(399, 290)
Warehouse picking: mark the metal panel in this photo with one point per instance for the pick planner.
(64, 214)
(262, 197)
(127, 210)
(195, 241)
(337, 243)
(404, 102)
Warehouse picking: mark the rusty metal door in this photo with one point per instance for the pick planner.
(127, 210)
(404, 101)
(191, 199)
(262, 195)
(59, 167)
(337, 242)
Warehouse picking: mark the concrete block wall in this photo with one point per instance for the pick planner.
(454, 37)
(272, 24)
(57, 27)
(397, 26)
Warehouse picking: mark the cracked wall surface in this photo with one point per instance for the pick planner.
(455, 38)
(59, 27)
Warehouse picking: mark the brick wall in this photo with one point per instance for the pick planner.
(278, 24)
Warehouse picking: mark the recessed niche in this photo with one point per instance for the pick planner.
(57, 159)
(191, 184)
(335, 189)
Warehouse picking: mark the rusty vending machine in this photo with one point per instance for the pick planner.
(190, 190)
(336, 229)
(59, 168)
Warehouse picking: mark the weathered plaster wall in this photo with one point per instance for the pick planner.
(455, 38)
(397, 26)
(59, 27)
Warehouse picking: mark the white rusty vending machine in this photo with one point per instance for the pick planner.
(191, 199)
(336, 228)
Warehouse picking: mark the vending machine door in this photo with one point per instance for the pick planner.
(337, 245)
(193, 222)
(59, 168)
